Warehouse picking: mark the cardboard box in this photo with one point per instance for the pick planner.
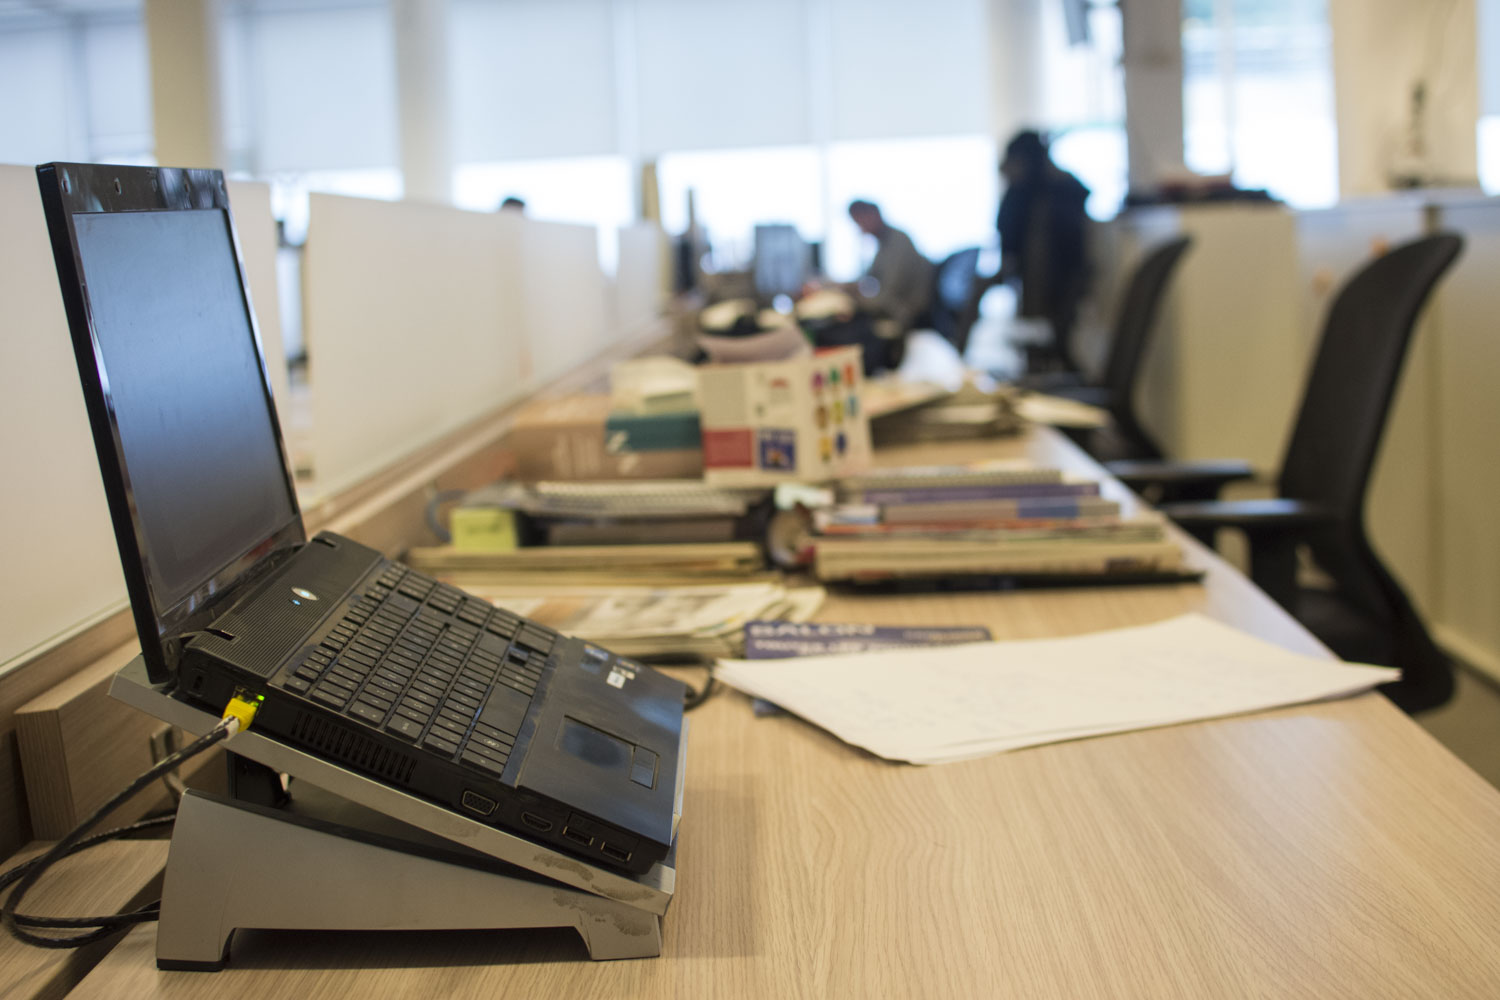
(565, 438)
(799, 420)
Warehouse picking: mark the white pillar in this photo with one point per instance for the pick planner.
(1015, 28)
(182, 37)
(1382, 51)
(420, 28)
(1152, 59)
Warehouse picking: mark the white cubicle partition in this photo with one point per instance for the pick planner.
(60, 567)
(1466, 415)
(412, 324)
(640, 286)
(564, 298)
(1215, 380)
(250, 201)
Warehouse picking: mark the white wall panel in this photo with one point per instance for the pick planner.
(532, 78)
(910, 69)
(324, 89)
(721, 73)
(411, 327)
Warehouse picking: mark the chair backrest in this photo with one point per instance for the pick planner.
(1353, 377)
(1137, 315)
(955, 278)
(954, 281)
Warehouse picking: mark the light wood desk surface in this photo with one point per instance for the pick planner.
(1331, 850)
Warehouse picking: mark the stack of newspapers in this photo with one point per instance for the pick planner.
(986, 519)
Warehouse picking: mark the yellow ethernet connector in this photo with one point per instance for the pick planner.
(243, 706)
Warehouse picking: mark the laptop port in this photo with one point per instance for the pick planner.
(536, 822)
(581, 839)
(476, 803)
(615, 854)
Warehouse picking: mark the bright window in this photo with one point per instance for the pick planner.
(943, 192)
(289, 193)
(1489, 154)
(1083, 91)
(733, 189)
(588, 190)
(1258, 96)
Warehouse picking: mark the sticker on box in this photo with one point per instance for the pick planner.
(778, 449)
(729, 449)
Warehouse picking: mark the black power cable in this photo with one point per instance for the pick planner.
(29, 872)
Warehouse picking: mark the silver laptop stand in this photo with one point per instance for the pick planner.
(350, 853)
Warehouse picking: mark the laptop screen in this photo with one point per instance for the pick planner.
(183, 376)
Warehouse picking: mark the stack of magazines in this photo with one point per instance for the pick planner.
(987, 519)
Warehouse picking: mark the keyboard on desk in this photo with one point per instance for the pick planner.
(427, 664)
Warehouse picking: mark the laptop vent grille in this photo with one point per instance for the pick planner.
(352, 748)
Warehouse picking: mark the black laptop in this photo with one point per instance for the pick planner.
(359, 659)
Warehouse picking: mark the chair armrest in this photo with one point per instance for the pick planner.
(1176, 481)
(1255, 517)
(1272, 527)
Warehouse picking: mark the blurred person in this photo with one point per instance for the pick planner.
(513, 204)
(896, 288)
(1042, 226)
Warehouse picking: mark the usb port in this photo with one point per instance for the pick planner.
(536, 822)
(614, 853)
(578, 838)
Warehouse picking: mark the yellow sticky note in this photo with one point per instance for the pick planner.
(483, 529)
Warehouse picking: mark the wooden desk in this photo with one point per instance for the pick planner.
(1330, 850)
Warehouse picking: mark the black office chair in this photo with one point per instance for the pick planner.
(1124, 438)
(1365, 616)
(955, 284)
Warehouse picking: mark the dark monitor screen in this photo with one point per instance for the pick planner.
(781, 261)
(183, 376)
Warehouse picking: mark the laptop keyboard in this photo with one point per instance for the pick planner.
(430, 665)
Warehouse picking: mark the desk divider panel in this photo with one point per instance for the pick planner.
(60, 568)
(412, 319)
(565, 296)
(256, 226)
(640, 287)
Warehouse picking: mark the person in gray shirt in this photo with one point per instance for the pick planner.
(897, 287)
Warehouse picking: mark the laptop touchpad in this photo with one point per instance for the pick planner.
(594, 745)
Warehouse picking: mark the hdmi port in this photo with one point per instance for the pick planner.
(536, 822)
(578, 838)
(623, 857)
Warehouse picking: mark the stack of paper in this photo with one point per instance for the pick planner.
(960, 702)
(652, 622)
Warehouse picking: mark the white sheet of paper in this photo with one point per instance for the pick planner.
(959, 702)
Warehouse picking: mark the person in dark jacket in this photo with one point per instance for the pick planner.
(1042, 237)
